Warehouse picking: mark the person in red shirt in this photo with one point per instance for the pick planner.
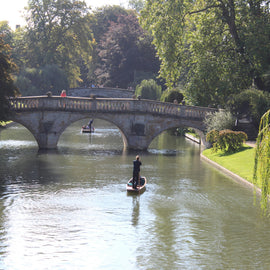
(63, 93)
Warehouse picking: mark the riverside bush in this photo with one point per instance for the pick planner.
(219, 121)
(226, 140)
(148, 89)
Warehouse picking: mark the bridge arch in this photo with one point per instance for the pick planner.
(58, 124)
(139, 121)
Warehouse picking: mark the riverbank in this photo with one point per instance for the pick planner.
(238, 165)
(192, 138)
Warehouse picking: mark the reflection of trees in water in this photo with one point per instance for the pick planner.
(27, 166)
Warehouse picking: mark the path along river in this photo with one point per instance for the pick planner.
(68, 209)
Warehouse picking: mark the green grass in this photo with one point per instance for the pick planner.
(240, 163)
(3, 124)
(193, 134)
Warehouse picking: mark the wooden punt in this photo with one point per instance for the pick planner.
(86, 129)
(141, 187)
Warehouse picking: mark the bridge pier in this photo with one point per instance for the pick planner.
(47, 140)
(137, 142)
(46, 126)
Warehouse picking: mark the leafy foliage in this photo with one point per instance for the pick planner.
(219, 120)
(102, 18)
(171, 96)
(107, 46)
(124, 51)
(100, 21)
(215, 48)
(7, 88)
(262, 159)
(57, 33)
(226, 140)
(38, 81)
(251, 103)
(136, 4)
(148, 89)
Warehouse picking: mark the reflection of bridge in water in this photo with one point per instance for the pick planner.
(139, 121)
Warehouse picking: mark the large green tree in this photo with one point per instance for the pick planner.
(214, 47)
(58, 33)
(7, 88)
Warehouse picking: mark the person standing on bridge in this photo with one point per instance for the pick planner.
(63, 93)
(136, 172)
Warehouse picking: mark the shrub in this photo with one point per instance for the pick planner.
(219, 121)
(148, 89)
(171, 96)
(226, 140)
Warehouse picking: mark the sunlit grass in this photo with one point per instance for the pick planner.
(3, 124)
(240, 163)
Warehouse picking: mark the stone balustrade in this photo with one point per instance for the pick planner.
(56, 103)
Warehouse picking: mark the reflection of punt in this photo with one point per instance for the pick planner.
(86, 129)
(140, 187)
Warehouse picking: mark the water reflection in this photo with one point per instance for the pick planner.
(135, 209)
(69, 209)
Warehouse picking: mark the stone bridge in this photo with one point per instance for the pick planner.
(139, 121)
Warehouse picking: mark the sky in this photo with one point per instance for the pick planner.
(12, 10)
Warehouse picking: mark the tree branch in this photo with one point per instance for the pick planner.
(202, 10)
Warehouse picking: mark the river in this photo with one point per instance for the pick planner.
(68, 208)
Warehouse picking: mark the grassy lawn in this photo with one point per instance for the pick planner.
(193, 134)
(3, 124)
(240, 163)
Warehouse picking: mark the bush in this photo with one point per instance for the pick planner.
(226, 140)
(219, 121)
(148, 89)
(171, 96)
(250, 103)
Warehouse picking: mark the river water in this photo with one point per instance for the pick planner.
(68, 208)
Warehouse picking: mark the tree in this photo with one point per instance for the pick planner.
(148, 89)
(6, 32)
(100, 21)
(124, 51)
(37, 81)
(136, 4)
(215, 48)
(261, 174)
(102, 18)
(7, 88)
(58, 33)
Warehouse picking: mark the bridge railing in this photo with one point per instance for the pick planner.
(107, 106)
